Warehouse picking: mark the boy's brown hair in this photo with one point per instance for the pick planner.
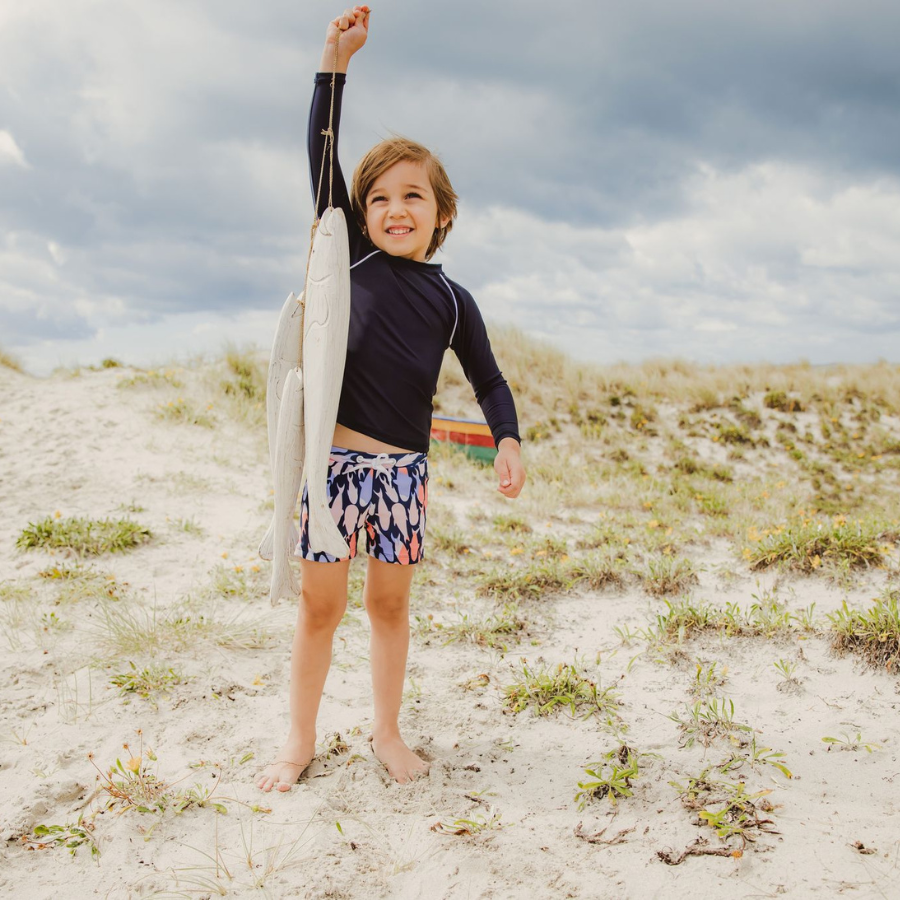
(400, 149)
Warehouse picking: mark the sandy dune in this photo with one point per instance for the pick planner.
(195, 601)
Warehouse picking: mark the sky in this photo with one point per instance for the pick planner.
(712, 181)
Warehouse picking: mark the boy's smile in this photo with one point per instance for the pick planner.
(401, 211)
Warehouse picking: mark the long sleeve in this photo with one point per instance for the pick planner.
(319, 158)
(473, 349)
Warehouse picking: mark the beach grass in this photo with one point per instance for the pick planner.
(82, 535)
(873, 633)
(10, 361)
(547, 689)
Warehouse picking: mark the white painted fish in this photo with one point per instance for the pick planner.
(326, 326)
(289, 453)
(285, 356)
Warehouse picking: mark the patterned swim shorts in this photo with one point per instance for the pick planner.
(385, 493)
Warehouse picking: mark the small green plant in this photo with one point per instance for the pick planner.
(779, 400)
(737, 816)
(668, 575)
(452, 541)
(740, 815)
(873, 633)
(807, 544)
(86, 537)
(846, 742)
(133, 786)
(147, 682)
(532, 580)
(564, 685)
(755, 757)
(471, 826)
(786, 670)
(190, 526)
(612, 777)
(493, 630)
(708, 719)
(511, 523)
(707, 680)
(71, 836)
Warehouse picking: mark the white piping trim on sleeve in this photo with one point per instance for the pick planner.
(455, 305)
(364, 258)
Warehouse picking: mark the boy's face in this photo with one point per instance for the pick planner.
(401, 211)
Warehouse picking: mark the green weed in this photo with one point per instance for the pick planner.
(807, 544)
(846, 742)
(664, 574)
(873, 634)
(147, 682)
(190, 526)
(708, 679)
(781, 401)
(86, 537)
(475, 825)
(514, 524)
(72, 836)
(739, 814)
(566, 685)
(612, 777)
(491, 631)
(756, 757)
(707, 720)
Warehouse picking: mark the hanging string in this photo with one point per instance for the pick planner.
(329, 142)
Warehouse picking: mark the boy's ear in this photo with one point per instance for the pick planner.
(443, 221)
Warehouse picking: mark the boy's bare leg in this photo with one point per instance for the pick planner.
(323, 600)
(386, 596)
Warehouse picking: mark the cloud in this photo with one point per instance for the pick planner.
(10, 152)
(706, 179)
(771, 262)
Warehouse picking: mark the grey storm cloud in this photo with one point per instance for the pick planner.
(164, 154)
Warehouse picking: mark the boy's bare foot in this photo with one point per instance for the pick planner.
(290, 761)
(402, 764)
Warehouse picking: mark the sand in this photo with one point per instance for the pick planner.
(83, 447)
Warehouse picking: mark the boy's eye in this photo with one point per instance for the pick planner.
(414, 194)
(376, 198)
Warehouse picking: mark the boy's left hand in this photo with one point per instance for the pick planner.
(509, 468)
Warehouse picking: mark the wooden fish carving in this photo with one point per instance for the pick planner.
(289, 453)
(326, 326)
(285, 356)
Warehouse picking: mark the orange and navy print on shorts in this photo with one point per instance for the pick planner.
(384, 493)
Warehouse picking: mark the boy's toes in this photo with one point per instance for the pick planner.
(263, 783)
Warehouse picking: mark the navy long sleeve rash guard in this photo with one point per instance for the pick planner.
(403, 316)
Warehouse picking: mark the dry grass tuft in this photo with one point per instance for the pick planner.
(9, 361)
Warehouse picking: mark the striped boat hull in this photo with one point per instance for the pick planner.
(469, 435)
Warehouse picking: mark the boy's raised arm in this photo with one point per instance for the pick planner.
(353, 30)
